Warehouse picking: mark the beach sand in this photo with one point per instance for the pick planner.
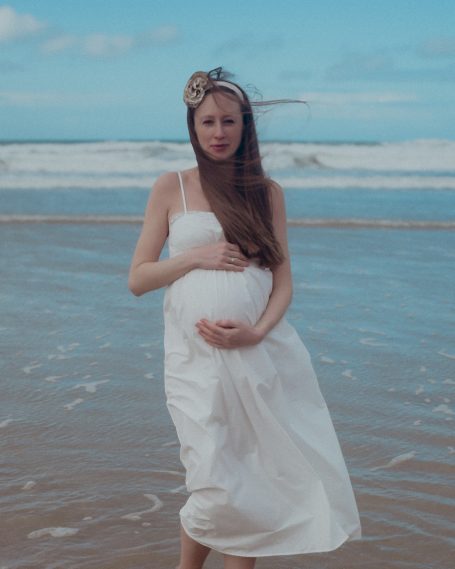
(91, 477)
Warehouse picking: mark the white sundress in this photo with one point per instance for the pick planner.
(264, 468)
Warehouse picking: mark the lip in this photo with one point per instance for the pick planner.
(219, 147)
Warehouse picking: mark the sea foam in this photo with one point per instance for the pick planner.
(157, 505)
(396, 460)
(53, 532)
(406, 165)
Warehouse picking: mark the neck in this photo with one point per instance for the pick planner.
(223, 168)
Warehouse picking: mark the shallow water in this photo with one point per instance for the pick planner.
(90, 474)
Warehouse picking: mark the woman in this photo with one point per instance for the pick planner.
(264, 469)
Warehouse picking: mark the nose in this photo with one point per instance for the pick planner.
(219, 130)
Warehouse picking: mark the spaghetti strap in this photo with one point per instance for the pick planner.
(182, 191)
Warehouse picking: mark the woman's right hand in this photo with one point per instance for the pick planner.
(222, 256)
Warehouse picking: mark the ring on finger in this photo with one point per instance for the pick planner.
(233, 260)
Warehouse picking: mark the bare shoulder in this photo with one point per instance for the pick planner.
(162, 196)
(276, 193)
(274, 186)
(166, 184)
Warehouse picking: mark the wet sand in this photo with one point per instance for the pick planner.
(90, 475)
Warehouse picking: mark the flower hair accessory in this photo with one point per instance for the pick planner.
(201, 82)
(195, 89)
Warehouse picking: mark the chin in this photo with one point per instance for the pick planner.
(221, 157)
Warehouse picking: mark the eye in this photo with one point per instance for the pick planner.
(207, 121)
(229, 121)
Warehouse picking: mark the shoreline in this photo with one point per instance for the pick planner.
(292, 222)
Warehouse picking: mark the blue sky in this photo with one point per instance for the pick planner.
(111, 69)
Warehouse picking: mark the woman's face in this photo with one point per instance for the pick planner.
(218, 123)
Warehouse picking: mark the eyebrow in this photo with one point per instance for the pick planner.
(213, 116)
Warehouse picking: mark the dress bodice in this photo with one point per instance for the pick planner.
(193, 229)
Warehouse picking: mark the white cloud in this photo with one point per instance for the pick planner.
(157, 36)
(102, 45)
(58, 44)
(347, 98)
(381, 66)
(55, 98)
(438, 47)
(105, 45)
(15, 98)
(361, 66)
(360, 106)
(251, 45)
(8, 66)
(15, 26)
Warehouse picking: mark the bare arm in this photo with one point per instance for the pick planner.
(234, 333)
(147, 271)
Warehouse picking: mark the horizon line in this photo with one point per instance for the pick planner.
(184, 141)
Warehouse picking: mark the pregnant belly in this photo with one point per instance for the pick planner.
(218, 295)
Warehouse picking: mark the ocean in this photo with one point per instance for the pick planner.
(90, 476)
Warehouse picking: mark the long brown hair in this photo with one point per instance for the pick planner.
(237, 189)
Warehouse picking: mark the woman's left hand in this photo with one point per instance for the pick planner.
(228, 334)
